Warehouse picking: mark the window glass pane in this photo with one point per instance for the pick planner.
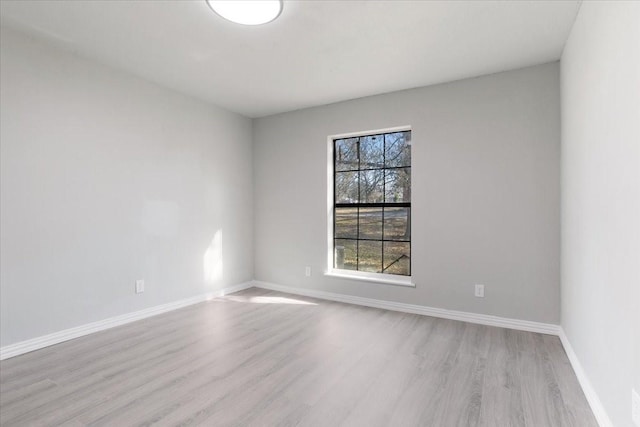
(372, 152)
(376, 170)
(372, 186)
(397, 258)
(370, 256)
(346, 187)
(345, 254)
(397, 149)
(397, 185)
(346, 151)
(397, 224)
(346, 223)
(370, 223)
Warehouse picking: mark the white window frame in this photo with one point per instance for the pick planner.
(382, 278)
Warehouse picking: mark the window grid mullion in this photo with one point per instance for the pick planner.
(373, 169)
(372, 240)
(335, 199)
(358, 211)
(384, 197)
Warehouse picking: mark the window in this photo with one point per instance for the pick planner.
(372, 203)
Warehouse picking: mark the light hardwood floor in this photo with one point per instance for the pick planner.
(261, 358)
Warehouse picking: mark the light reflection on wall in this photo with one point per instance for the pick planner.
(213, 263)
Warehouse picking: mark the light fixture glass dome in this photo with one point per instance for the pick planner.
(247, 12)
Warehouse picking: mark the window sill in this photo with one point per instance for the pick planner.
(372, 278)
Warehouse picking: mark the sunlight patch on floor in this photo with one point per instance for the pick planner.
(268, 300)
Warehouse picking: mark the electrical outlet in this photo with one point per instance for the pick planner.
(635, 407)
(139, 286)
(480, 291)
(307, 271)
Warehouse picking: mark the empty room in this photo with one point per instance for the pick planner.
(320, 213)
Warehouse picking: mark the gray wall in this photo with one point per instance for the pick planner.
(106, 178)
(601, 199)
(486, 206)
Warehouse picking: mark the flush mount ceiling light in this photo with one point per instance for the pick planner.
(247, 12)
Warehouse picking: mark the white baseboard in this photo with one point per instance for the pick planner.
(89, 328)
(482, 319)
(589, 392)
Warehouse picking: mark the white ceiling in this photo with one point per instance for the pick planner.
(315, 53)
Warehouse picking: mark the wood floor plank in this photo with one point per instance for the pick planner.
(263, 358)
(501, 394)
